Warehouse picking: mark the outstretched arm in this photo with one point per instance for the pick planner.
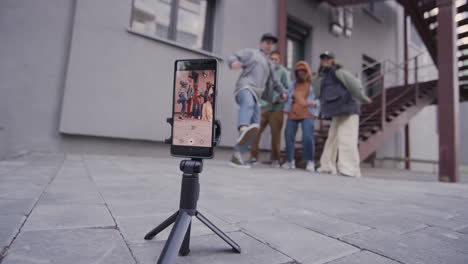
(237, 60)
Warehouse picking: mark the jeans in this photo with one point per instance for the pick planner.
(249, 113)
(196, 110)
(308, 144)
(249, 110)
(183, 102)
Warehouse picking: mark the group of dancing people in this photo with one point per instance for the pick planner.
(266, 95)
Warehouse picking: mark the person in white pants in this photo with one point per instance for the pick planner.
(340, 96)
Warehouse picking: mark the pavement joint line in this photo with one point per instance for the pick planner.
(88, 172)
(318, 232)
(72, 228)
(342, 219)
(22, 166)
(5, 250)
(351, 244)
(247, 233)
(372, 251)
(362, 250)
(417, 229)
(461, 228)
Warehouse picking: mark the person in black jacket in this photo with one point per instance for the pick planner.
(340, 96)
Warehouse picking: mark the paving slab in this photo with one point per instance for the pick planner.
(328, 225)
(9, 227)
(451, 239)
(277, 216)
(386, 220)
(20, 190)
(463, 230)
(71, 246)
(413, 247)
(123, 208)
(298, 243)
(16, 207)
(211, 249)
(363, 257)
(60, 216)
(63, 192)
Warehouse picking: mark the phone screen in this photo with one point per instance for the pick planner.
(194, 108)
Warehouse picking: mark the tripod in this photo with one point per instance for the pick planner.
(179, 238)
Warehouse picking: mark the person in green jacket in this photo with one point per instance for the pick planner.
(340, 96)
(272, 114)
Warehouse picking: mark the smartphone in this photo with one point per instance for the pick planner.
(194, 108)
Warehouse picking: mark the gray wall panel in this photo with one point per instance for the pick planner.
(33, 51)
(120, 84)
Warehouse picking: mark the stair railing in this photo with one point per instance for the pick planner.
(388, 67)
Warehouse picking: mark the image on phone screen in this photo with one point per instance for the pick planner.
(193, 113)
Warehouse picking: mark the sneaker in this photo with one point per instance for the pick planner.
(237, 162)
(288, 165)
(275, 164)
(247, 133)
(310, 166)
(252, 161)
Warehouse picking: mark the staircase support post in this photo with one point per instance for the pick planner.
(406, 59)
(447, 92)
(281, 28)
(383, 104)
(416, 82)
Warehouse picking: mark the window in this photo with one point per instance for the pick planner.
(297, 34)
(372, 9)
(342, 21)
(188, 22)
(370, 72)
(337, 21)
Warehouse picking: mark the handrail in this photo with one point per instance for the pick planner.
(400, 65)
(380, 77)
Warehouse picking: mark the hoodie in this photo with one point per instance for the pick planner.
(302, 100)
(257, 73)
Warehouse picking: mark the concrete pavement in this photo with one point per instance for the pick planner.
(70, 208)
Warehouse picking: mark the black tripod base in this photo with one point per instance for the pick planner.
(179, 238)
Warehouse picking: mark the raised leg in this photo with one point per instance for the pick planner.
(185, 248)
(174, 242)
(151, 234)
(218, 232)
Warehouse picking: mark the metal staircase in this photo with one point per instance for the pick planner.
(392, 108)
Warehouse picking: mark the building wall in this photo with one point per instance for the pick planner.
(117, 81)
(113, 82)
(33, 52)
(378, 40)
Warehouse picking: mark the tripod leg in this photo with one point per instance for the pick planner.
(173, 243)
(218, 232)
(185, 248)
(151, 234)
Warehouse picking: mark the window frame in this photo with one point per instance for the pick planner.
(297, 31)
(208, 31)
(370, 10)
